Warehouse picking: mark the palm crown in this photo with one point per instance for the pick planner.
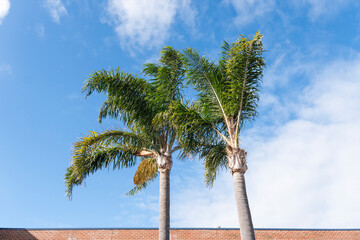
(144, 107)
(227, 99)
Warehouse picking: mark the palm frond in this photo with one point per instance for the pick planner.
(118, 157)
(127, 95)
(214, 160)
(97, 151)
(188, 119)
(192, 127)
(193, 131)
(166, 77)
(146, 171)
(110, 108)
(229, 90)
(138, 188)
(162, 119)
(244, 68)
(206, 78)
(151, 69)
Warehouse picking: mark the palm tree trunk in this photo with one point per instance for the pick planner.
(243, 209)
(164, 205)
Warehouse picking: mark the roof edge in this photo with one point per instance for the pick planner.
(259, 229)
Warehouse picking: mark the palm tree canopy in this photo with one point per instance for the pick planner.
(227, 99)
(143, 105)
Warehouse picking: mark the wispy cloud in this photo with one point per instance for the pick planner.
(306, 173)
(4, 9)
(248, 10)
(6, 68)
(56, 9)
(187, 12)
(73, 96)
(40, 30)
(322, 8)
(146, 23)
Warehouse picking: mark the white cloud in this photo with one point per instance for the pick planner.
(146, 23)
(56, 9)
(322, 8)
(248, 10)
(305, 174)
(341, 101)
(187, 12)
(285, 66)
(4, 9)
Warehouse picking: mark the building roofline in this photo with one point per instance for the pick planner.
(259, 229)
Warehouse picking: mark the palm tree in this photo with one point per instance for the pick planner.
(227, 99)
(144, 107)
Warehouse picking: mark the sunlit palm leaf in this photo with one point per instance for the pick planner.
(100, 150)
(146, 171)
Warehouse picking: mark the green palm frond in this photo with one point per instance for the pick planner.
(188, 120)
(151, 70)
(224, 53)
(229, 90)
(118, 157)
(139, 188)
(244, 69)
(72, 178)
(107, 138)
(187, 117)
(127, 95)
(162, 119)
(214, 159)
(207, 79)
(166, 77)
(100, 150)
(192, 126)
(111, 108)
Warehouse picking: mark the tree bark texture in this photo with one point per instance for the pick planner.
(164, 205)
(243, 209)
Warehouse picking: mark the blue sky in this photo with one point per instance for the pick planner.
(303, 152)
